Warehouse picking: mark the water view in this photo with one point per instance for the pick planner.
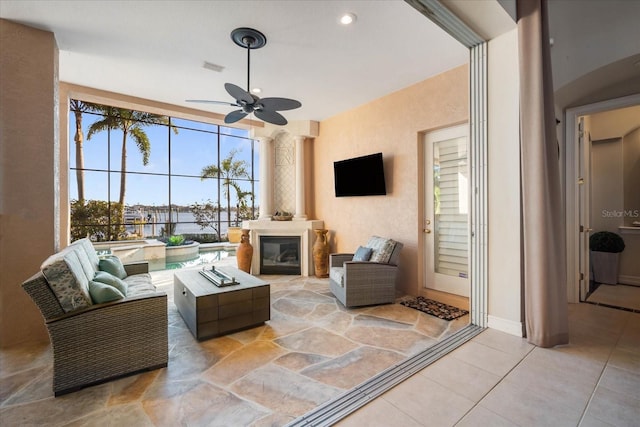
(149, 223)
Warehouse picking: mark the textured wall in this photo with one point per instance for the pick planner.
(392, 125)
(28, 180)
(284, 174)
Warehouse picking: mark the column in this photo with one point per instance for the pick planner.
(266, 177)
(300, 184)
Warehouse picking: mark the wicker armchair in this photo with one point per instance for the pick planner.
(103, 341)
(360, 283)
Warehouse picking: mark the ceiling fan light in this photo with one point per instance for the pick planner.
(256, 90)
(348, 18)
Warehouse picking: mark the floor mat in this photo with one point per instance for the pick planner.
(435, 308)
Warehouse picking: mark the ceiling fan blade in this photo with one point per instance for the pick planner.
(206, 101)
(280, 104)
(271, 117)
(234, 116)
(238, 93)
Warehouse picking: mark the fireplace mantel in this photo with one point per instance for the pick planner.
(301, 228)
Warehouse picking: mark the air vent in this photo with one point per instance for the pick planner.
(213, 67)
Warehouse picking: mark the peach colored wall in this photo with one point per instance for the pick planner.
(28, 187)
(392, 125)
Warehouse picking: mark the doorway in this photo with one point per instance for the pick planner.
(600, 189)
(446, 224)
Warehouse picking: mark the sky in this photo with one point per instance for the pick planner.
(192, 148)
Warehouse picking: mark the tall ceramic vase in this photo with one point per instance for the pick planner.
(321, 253)
(244, 253)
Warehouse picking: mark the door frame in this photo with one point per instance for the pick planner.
(572, 207)
(428, 139)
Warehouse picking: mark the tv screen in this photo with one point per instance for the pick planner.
(360, 176)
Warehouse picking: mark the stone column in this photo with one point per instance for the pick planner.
(266, 177)
(300, 184)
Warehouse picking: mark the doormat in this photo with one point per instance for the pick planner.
(435, 308)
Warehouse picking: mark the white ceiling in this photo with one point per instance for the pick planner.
(156, 49)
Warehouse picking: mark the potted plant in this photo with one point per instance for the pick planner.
(605, 248)
(243, 212)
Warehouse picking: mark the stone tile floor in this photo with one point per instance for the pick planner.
(312, 350)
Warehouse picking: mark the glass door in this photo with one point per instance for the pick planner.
(447, 208)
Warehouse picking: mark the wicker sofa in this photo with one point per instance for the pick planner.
(95, 342)
(368, 276)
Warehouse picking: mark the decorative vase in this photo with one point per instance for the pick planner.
(244, 253)
(321, 253)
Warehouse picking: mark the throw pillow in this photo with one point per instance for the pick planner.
(101, 292)
(72, 293)
(382, 249)
(113, 265)
(110, 279)
(362, 254)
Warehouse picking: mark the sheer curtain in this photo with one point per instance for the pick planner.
(543, 241)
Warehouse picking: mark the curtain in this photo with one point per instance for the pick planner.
(543, 233)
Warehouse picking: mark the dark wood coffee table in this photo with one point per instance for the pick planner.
(210, 311)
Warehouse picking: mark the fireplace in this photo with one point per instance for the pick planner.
(280, 255)
(300, 232)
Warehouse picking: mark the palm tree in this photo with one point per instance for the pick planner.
(229, 171)
(130, 122)
(79, 107)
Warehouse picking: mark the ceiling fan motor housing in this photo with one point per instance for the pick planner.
(248, 38)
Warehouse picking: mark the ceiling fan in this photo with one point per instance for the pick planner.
(264, 108)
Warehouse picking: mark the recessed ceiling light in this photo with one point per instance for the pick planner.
(256, 90)
(348, 18)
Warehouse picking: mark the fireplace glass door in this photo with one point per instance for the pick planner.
(280, 255)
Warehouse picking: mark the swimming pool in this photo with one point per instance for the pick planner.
(204, 257)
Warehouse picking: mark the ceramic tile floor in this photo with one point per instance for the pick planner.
(312, 350)
(500, 380)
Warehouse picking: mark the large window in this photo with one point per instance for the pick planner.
(139, 175)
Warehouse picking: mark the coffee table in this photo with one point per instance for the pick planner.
(210, 311)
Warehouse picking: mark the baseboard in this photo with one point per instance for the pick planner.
(629, 280)
(504, 325)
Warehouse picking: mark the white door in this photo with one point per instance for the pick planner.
(584, 205)
(446, 225)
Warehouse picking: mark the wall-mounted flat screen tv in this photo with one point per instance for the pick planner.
(360, 176)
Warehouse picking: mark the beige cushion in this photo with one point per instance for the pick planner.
(139, 284)
(337, 275)
(89, 271)
(87, 246)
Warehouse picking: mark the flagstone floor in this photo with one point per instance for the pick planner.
(312, 350)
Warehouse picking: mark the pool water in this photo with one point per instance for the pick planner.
(203, 258)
